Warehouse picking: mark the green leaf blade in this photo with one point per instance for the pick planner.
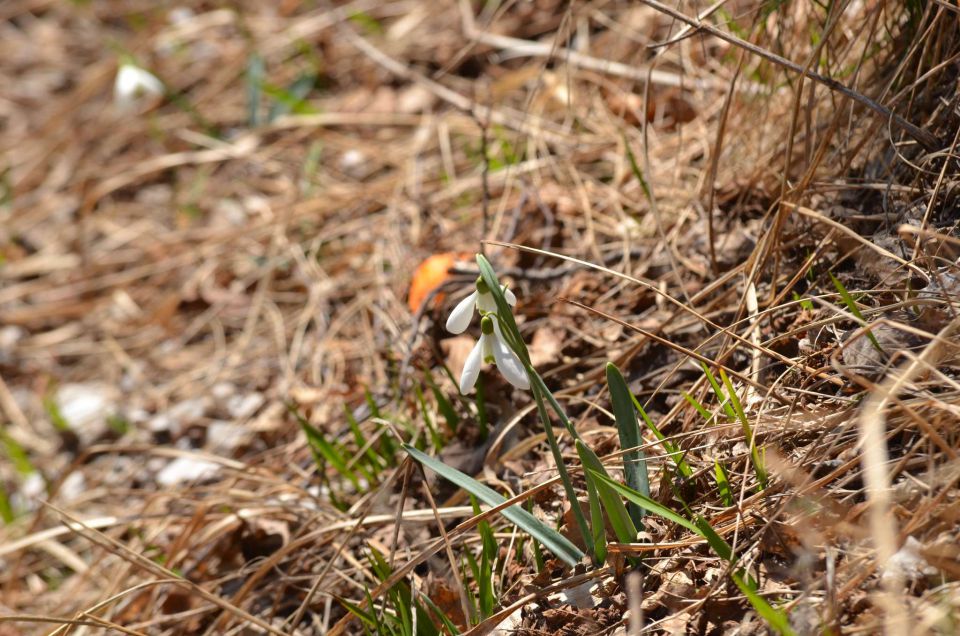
(548, 537)
(628, 428)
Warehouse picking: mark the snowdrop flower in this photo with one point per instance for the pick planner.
(483, 300)
(492, 349)
(132, 83)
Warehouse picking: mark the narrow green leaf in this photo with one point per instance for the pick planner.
(292, 98)
(805, 303)
(376, 462)
(704, 413)
(6, 508)
(597, 524)
(539, 389)
(852, 307)
(635, 167)
(368, 618)
(550, 538)
(17, 454)
(755, 458)
(634, 461)
(672, 449)
(443, 404)
(56, 417)
(721, 397)
(481, 401)
(439, 615)
(649, 504)
(717, 543)
(255, 75)
(723, 483)
(324, 450)
(435, 438)
(776, 618)
(623, 525)
(554, 405)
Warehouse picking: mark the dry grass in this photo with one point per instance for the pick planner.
(175, 278)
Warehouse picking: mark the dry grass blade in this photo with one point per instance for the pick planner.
(923, 137)
(181, 268)
(140, 561)
(883, 525)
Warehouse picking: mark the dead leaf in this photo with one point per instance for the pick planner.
(456, 351)
(429, 275)
(545, 347)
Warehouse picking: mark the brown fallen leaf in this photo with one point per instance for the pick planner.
(456, 351)
(545, 347)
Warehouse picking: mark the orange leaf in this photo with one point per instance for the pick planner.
(430, 274)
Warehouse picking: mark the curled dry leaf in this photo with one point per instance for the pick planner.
(429, 275)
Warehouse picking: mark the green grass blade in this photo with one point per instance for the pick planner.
(484, 573)
(375, 463)
(718, 390)
(635, 167)
(672, 449)
(723, 483)
(6, 508)
(755, 458)
(634, 462)
(435, 438)
(717, 543)
(481, 401)
(597, 524)
(648, 504)
(704, 413)
(554, 405)
(443, 404)
(256, 71)
(539, 389)
(777, 619)
(291, 99)
(623, 525)
(852, 307)
(56, 417)
(367, 618)
(700, 526)
(324, 451)
(439, 615)
(548, 537)
(17, 454)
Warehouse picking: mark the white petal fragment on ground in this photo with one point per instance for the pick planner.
(186, 469)
(460, 317)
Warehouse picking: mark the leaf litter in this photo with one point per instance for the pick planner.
(178, 278)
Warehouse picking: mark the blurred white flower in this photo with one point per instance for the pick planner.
(483, 300)
(133, 83)
(492, 349)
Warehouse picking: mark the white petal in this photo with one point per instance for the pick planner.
(133, 82)
(510, 296)
(460, 317)
(485, 302)
(509, 364)
(471, 368)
